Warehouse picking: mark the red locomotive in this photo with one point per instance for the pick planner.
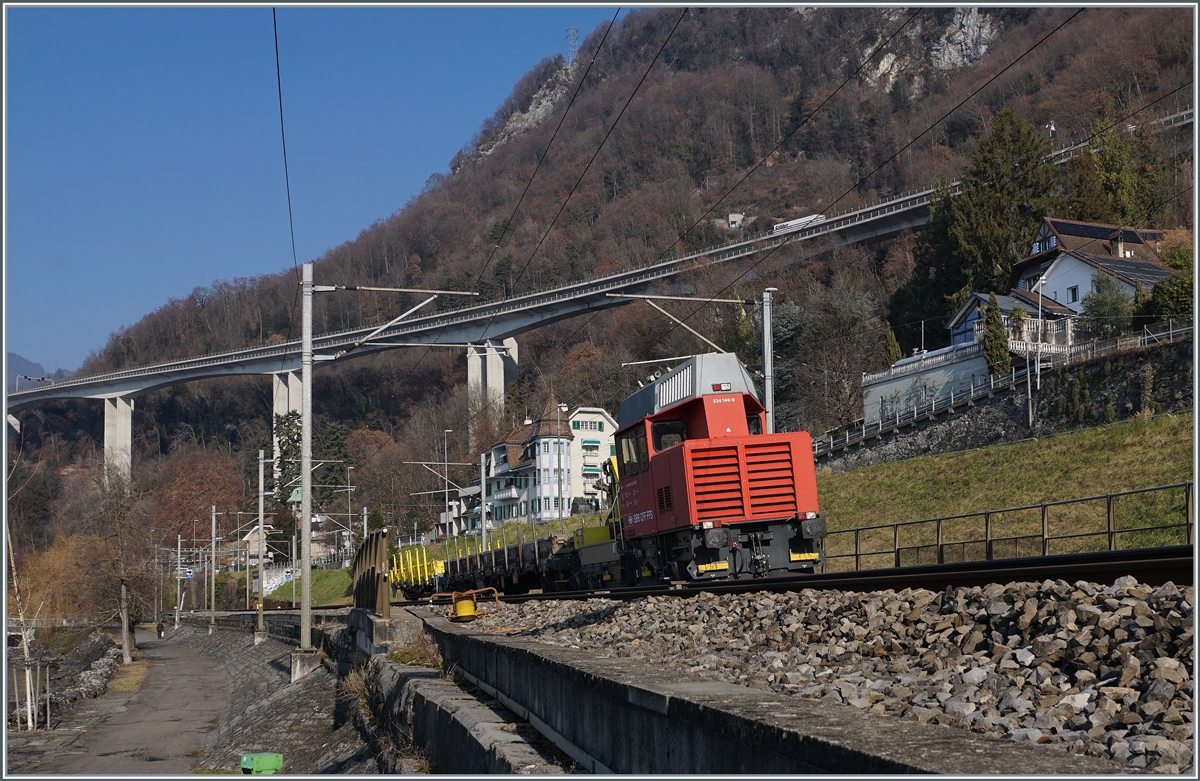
(701, 494)
(704, 493)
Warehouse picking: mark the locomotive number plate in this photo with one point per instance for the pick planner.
(713, 566)
(803, 556)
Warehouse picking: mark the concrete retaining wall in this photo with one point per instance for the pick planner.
(612, 715)
(1104, 390)
(455, 731)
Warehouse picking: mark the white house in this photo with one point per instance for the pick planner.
(546, 469)
(1065, 254)
(593, 428)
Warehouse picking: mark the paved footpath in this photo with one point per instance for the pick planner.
(159, 729)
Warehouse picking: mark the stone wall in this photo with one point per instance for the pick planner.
(1116, 387)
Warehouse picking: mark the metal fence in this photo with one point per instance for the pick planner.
(959, 395)
(1142, 518)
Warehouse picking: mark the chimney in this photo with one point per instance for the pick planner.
(1118, 244)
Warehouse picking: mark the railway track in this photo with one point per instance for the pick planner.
(1153, 566)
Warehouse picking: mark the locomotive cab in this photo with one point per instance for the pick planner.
(704, 493)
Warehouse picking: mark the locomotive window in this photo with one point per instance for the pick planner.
(628, 454)
(668, 433)
(643, 456)
(754, 423)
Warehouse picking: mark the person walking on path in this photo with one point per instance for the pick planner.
(161, 632)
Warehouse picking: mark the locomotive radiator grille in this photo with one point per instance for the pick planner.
(718, 483)
(772, 479)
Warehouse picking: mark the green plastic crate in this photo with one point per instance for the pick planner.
(265, 764)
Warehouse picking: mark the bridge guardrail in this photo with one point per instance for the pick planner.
(749, 245)
(655, 269)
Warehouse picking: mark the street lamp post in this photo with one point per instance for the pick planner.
(1037, 286)
(349, 511)
(446, 468)
(768, 358)
(262, 592)
(178, 574)
(306, 365)
(558, 433)
(212, 585)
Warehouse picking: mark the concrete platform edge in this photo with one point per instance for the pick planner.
(631, 719)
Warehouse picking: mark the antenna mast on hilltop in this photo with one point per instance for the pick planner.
(572, 44)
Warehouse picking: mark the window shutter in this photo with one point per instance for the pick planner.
(575, 424)
(601, 425)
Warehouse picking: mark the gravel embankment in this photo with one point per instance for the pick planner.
(1086, 668)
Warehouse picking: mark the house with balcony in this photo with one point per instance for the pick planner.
(1019, 311)
(1065, 254)
(593, 428)
(1040, 312)
(548, 468)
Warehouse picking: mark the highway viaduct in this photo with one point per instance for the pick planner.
(488, 331)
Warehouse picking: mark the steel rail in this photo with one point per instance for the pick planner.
(1152, 566)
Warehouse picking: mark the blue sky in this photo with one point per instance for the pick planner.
(143, 154)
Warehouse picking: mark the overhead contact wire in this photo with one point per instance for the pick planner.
(580, 179)
(286, 179)
(862, 179)
(541, 159)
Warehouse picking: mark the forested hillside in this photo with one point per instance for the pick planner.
(771, 112)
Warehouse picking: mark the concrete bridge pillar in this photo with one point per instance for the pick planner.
(118, 438)
(285, 395)
(489, 373)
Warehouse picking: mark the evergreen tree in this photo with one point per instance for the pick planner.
(1117, 172)
(1086, 199)
(1141, 304)
(1007, 190)
(1132, 169)
(1179, 257)
(938, 284)
(892, 351)
(1171, 299)
(972, 242)
(995, 339)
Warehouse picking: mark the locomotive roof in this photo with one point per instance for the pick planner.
(694, 377)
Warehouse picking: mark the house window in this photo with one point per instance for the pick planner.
(546, 448)
(1037, 247)
(1072, 294)
(523, 508)
(1052, 242)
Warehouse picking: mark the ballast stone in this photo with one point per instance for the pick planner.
(1046, 663)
